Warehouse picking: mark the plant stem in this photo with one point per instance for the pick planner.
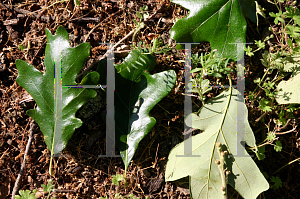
(261, 80)
(50, 166)
(125, 182)
(222, 170)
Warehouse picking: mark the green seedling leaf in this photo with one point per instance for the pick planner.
(263, 105)
(220, 22)
(277, 182)
(217, 120)
(277, 16)
(271, 136)
(116, 178)
(136, 93)
(293, 13)
(293, 31)
(289, 91)
(25, 195)
(49, 187)
(200, 87)
(248, 51)
(56, 116)
(260, 44)
(139, 15)
(278, 146)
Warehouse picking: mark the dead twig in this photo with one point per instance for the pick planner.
(119, 42)
(281, 133)
(35, 14)
(17, 183)
(87, 36)
(286, 124)
(261, 117)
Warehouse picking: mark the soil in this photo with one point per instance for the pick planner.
(79, 172)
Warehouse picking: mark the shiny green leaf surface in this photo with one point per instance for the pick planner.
(217, 120)
(136, 93)
(56, 115)
(220, 22)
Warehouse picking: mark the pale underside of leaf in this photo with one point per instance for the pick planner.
(217, 120)
(289, 91)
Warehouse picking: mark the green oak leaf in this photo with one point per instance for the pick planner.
(56, 116)
(217, 120)
(136, 93)
(289, 91)
(220, 22)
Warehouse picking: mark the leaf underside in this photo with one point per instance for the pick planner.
(289, 91)
(220, 22)
(217, 120)
(56, 116)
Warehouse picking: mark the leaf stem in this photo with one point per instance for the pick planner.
(125, 182)
(223, 171)
(50, 166)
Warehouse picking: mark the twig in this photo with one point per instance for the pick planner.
(287, 165)
(281, 133)
(286, 124)
(17, 183)
(261, 117)
(269, 142)
(124, 38)
(87, 36)
(26, 12)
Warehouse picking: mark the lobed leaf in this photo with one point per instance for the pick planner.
(55, 114)
(289, 91)
(220, 22)
(217, 120)
(136, 93)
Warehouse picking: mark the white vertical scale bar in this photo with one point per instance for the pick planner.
(240, 116)
(188, 148)
(110, 106)
(57, 105)
(110, 95)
